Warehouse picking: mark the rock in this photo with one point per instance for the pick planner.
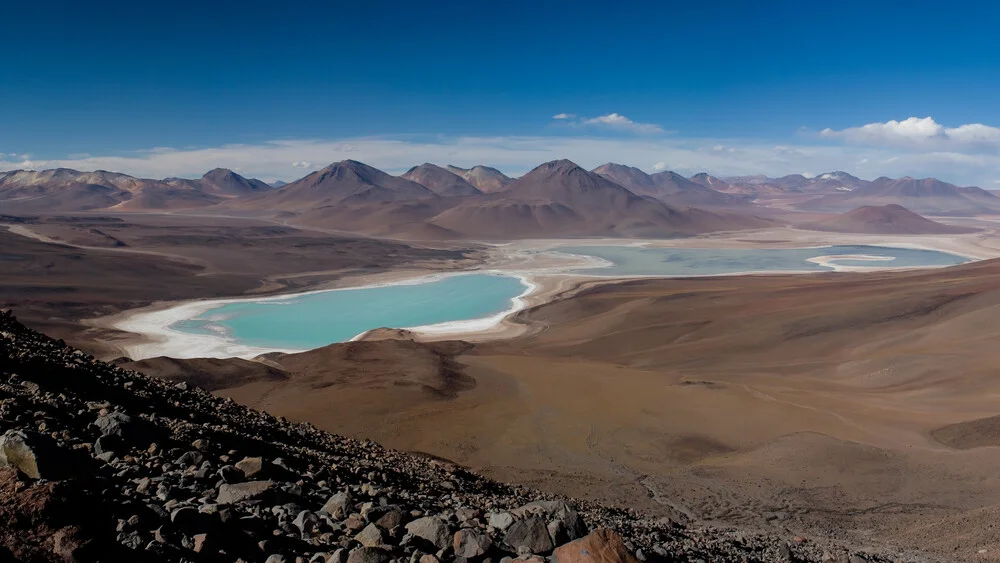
(231, 493)
(251, 467)
(427, 558)
(231, 474)
(187, 519)
(202, 544)
(33, 455)
(431, 530)
(338, 506)
(601, 545)
(557, 531)
(190, 458)
(555, 510)
(107, 443)
(500, 520)
(371, 536)
(529, 535)
(354, 523)
(387, 517)
(129, 430)
(306, 521)
(466, 514)
(113, 424)
(470, 543)
(276, 558)
(369, 555)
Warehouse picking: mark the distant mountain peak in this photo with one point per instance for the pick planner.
(484, 178)
(440, 181)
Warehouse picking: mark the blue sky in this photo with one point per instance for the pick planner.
(276, 88)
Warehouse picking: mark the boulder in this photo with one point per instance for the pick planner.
(33, 455)
(529, 535)
(190, 458)
(339, 505)
(470, 543)
(500, 520)
(555, 510)
(306, 522)
(371, 536)
(231, 493)
(107, 443)
(251, 467)
(432, 530)
(129, 430)
(369, 555)
(600, 546)
(388, 517)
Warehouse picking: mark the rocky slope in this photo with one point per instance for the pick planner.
(98, 463)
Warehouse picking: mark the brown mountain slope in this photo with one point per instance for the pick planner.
(709, 181)
(343, 184)
(440, 181)
(486, 179)
(226, 183)
(667, 186)
(886, 219)
(926, 195)
(559, 198)
(63, 189)
(70, 190)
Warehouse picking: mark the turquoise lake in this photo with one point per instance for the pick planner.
(316, 319)
(313, 320)
(640, 261)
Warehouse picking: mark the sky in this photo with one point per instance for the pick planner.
(277, 89)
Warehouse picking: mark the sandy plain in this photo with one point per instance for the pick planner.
(860, 406)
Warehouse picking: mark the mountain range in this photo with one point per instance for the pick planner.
(556, 199)
(840, 191)
(62, 189)
(667, 186)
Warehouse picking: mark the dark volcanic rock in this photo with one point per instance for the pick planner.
(102, 464)
(529, 535)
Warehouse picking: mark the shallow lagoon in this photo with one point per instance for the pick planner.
(312, 320)
(316, 319)
(645, 261)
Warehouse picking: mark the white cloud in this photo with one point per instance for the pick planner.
(620, 122)
(611, 121)
(916, 132)
(301, 164)
(659, 166)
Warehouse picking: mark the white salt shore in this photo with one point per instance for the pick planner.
(158, 338)
(540, 265)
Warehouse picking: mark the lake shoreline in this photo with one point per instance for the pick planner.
(547, 272)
